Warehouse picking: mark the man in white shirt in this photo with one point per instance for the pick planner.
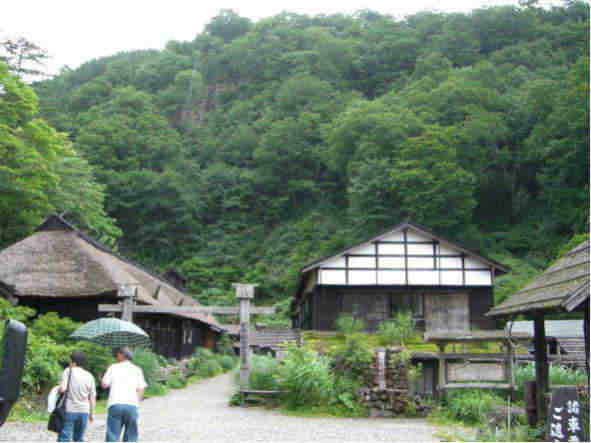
(126, 385)
(80, 398)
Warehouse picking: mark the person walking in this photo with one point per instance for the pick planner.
(126, 385)
(80, 390)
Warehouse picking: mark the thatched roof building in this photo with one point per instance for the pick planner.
(566, 280)
(61, 269)
(563, 287)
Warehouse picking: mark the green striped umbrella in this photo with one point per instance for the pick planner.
(112, 332)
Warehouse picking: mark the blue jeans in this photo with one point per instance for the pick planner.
(122, 416)
(74, 427)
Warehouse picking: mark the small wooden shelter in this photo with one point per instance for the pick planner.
(563, 287)
(407, 268)
(60, 269)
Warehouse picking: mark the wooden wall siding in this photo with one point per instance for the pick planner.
(77, 308)
(328, 302)
(447, 312)
(405, 258)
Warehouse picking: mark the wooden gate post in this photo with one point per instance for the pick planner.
(127, 292)
(244, 293)
(541, 365)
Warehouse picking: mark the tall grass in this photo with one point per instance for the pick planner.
(397, 331)
(263, 373)
(306, 379)
(559, 375)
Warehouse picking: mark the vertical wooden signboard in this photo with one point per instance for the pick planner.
(565, 415)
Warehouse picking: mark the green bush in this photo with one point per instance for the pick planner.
(397, 331)
(353, 358)
(150, 364)
(559, 375)
(225, 346)
(347, 324)
(44, 364)
(344, 399)
(208, 368)
(306, 378)
(55, 327)
(176, 381)
(263, 373)
(227, 362)
(470, 406)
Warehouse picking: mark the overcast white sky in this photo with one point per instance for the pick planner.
(77, 31)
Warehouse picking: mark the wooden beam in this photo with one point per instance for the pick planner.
(541, 359)
(162, 309)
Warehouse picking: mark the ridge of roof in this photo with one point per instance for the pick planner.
(401, 226)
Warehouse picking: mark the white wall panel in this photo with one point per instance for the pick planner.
(391, 262)
(385, 248)
(362, 277)
(395, 236)
(330, 277)
(423, 277)
(415, 236)
(443, 250)
(471, 263)
(451, 278)
(336, 263)
(450, 262)
(478, 278)
(421, 262)
(369, 248)
(391, 278)
(362, 262)
(420, 249)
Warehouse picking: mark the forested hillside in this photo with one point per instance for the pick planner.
(257, 147)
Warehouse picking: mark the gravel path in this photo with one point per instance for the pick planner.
(201, 413)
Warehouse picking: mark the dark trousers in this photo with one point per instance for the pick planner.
(122, 417)
(74, 427)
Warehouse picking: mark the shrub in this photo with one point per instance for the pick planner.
(44, 364)
(263, 373)
(344, 400)
(470, 406)
(559, 375)
(353, 358)
(227, 362)
(398, 330)
(347, 324)
(150, 364)
(176, 381)
(208, 368)
(306, 378)
(55, 327)
(225, 346)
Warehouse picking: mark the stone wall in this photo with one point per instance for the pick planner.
(389, 394)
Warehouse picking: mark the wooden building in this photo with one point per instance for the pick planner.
(408, 268)
(60, 269)
(563, 287)
(565, 340)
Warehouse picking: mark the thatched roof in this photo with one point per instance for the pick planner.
(568, 276)
(60, 261)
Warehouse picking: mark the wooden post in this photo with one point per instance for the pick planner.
(441, 381)
(541, 365)
(244, 293)
(127, 293)
(586, 335)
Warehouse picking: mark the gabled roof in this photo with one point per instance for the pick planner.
(58, 260)
(567, 277)
(420, 229)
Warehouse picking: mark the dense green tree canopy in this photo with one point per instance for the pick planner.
(259, 146)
